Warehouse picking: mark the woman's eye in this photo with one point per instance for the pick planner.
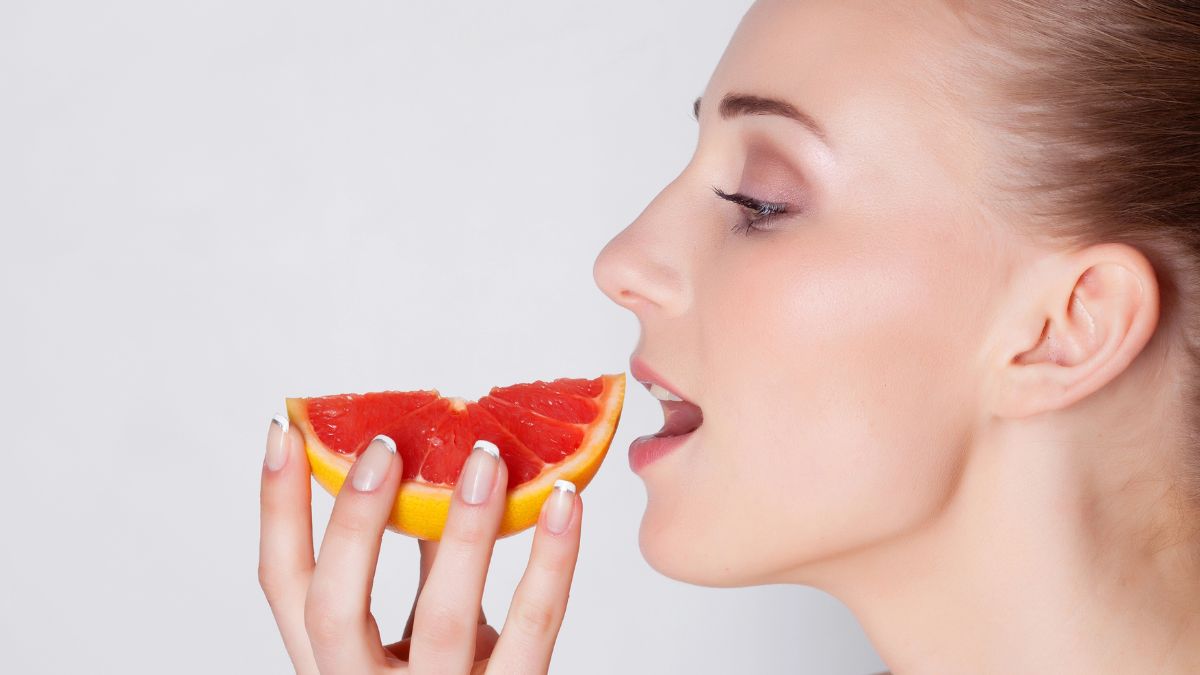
(757, 212)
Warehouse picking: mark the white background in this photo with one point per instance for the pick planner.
(208, 206)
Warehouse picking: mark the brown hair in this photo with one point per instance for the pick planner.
(1098, 104)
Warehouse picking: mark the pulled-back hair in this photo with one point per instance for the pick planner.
(1098, 104)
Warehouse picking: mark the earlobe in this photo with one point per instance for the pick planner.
(1091, 330)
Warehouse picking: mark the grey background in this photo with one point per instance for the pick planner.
(207, 206)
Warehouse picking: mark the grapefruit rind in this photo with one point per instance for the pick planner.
(420, 509)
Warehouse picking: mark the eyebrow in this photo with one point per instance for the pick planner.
(736, 105)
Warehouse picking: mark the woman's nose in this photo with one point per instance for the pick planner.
(641, 271)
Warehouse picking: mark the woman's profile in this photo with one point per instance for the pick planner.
(926, 298)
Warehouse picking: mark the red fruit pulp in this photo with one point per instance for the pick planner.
(532, 424)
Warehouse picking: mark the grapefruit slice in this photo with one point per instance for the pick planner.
(544, 430)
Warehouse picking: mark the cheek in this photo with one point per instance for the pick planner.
(837, 383)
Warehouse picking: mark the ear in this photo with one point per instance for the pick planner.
(1099, 312)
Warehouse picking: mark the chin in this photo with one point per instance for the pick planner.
(672, 561)
(735, 554)
(689, 554)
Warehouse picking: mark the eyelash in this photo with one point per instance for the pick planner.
(760, 212)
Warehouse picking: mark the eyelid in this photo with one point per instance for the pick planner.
(751, 203)
(758, 212)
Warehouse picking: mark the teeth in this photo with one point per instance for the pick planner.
(662, 394)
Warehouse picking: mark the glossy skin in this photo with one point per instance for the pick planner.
(967, 435)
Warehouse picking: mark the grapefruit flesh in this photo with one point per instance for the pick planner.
(544, 430)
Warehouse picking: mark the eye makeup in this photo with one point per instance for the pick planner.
(769, 190)
(758, 213)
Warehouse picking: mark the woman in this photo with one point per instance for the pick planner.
(929, 283)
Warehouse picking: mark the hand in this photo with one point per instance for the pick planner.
(322, 607)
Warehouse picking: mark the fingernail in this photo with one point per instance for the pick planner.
(479, 473)
(276, 443)
(372, 465)
(559, 506)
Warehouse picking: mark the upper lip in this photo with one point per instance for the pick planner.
(643, 373)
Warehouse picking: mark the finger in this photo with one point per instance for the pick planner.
(285, 551)
(444, 630)
(540, 601)
(337, 611)
(428, 552)
(485, 641)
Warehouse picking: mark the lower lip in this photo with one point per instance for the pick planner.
(648, 449)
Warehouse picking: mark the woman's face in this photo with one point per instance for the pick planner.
(838, 354)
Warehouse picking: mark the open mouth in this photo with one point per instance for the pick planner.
(680, 416)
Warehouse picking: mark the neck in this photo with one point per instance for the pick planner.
(1044, 560)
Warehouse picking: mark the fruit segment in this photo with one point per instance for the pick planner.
(552, 402)
(522, 464)
(579, 387)
(346, 423)
(434, 441)
(549, 439)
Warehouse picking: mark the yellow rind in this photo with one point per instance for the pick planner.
(420, 510)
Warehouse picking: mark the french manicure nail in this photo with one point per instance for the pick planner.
(277, 443)
(560, 504)
(372, 465)
(479, 473)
